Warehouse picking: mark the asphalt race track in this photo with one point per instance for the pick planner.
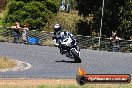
(47, 62)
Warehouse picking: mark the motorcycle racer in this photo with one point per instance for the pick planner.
(59, 35)
(67, 44)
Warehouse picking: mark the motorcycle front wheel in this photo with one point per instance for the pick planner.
(76, 55)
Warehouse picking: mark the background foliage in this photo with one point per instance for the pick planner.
(34, 12)
(43, 14)
(2, 4)
(117, 15)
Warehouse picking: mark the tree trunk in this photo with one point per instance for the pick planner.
(65, 5)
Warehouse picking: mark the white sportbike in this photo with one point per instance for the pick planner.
(69, 47)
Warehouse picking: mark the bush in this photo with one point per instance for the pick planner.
(34, 12)
(53, 5)
(2, 4)
(67, 20)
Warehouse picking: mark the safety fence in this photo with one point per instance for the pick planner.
(85, 42)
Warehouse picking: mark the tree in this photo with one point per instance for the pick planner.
(126, 19)
(88, 8)
(34, 12)
(117, 15)
(112, 16)
(2, 4)
(53, 5)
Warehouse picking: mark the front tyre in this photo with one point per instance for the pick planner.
(76, 55)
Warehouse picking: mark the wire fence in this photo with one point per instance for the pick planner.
(85, 42)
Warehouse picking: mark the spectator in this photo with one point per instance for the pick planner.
(16, 32)
(114, 40)
(24, 33)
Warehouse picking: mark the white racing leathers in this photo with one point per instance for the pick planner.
(67, 44)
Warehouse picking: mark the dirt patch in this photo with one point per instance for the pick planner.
(12, 65)
(7, 63)
(54, 83)
(36, 82)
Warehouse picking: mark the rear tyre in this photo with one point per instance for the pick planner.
(76, 56)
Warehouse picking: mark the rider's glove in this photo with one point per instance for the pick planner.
(53, 37)
(56, 44)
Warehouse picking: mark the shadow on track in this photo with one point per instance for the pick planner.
(67, 61)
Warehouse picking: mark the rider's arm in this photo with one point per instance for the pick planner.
(71, 35)
(55, 42)
(68, 33)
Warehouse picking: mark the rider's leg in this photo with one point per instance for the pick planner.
(61, 50)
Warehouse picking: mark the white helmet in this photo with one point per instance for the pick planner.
(57, 28)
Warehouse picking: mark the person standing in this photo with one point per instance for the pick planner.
(16, 32)
(114, 40)
(24, 33)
